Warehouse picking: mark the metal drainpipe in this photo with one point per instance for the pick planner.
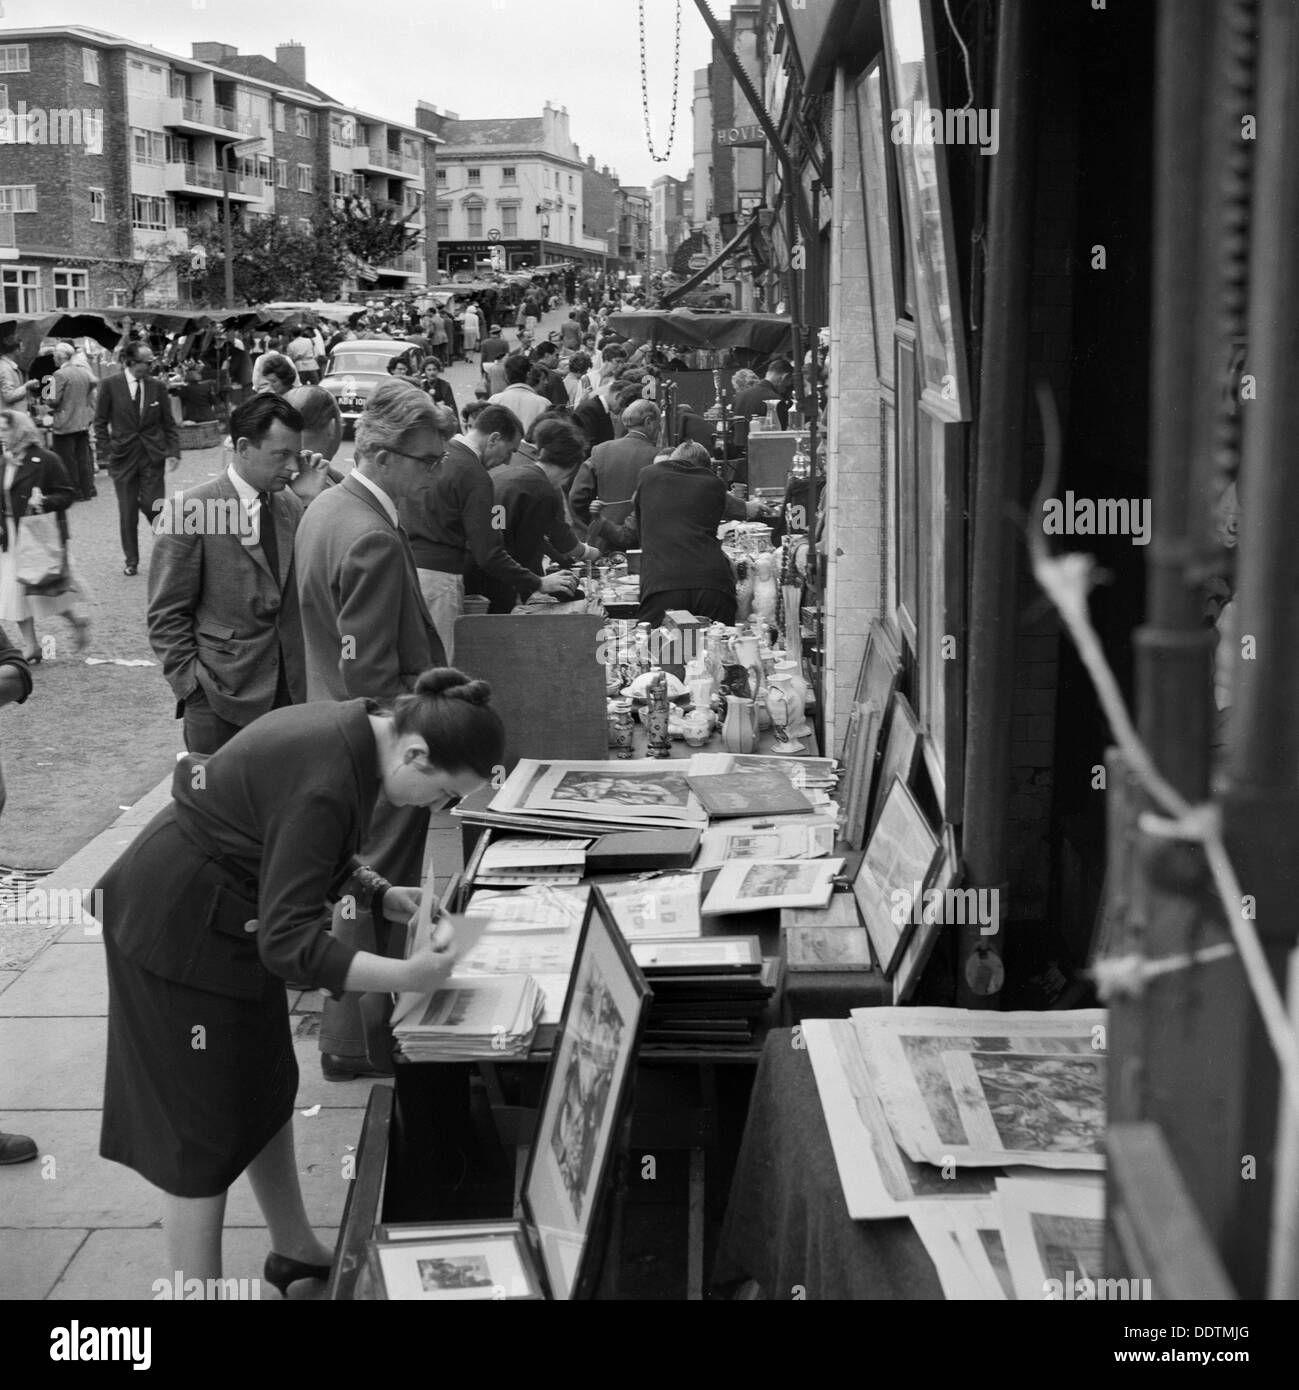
(995, 541)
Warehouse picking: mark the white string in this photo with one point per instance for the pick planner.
(1126, 976)
(965, 53)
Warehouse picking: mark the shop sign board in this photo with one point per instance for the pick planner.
(739, 135)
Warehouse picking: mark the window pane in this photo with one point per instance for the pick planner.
(14, 58)
(475, 222)
(90, 65)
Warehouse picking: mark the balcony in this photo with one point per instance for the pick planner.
(379, 159)
(8, 237)
(204, 181)
(206, 118)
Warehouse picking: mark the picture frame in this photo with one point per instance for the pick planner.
(901, 752)
(820, 949)
(945, 875)
(880, 210)
(927, 210)
(758, 885)
(881, 670)
(472, 1261)
(898, 860)
(585, 1106)
(905, 467)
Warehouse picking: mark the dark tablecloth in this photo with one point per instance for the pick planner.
(786, 1223)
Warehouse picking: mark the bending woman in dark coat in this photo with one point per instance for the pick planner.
(223, 897)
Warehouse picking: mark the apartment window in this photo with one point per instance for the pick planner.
(147, 79)
(90, 66)
(304, 178)
(116, 299)
(358, 186)
(71, 289)
(280, 114)
(179, 149)
(148, 146)
(22, 289)
(148, 214)
(545, 177)
(509, 222)
(570, 183)
(442, 176)
(14, 58)
(98, 206)
(305, 124)
(475, 216)
(474, 175)
(571, 238)
(4, 96)
(18, 197)
(264, 167)
(442, 224)
(509, 174)
(281, 173)
(304, 225)
(341, 183)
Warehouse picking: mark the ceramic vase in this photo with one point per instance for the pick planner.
(799, 727)
(765, 593)
(743, 590)
(786, 710)
(738, 733)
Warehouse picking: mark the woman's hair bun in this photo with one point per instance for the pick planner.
(454, 685)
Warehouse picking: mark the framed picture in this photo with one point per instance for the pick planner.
(827, 948)
(584, 1105)
(889, 886)
(757, 885)
(926, 206)
(880, 669)
(906, 536)
(454, 1264)
(946, 875)
(880, 206)
(901, 755)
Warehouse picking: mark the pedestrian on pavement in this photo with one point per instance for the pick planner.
(135, 432)
(494, 346)
(472, 328)
(222, 898)
(519, 395)
(15, 687)
(273, 371)
(223, 600)
(577, 381)
(570, 332)
(34, 482)
(16, 391)
(438, 386)
(367, 634)
(596, 415)
(72, 395)
(450, 521)
(301, 351)
(546, 356)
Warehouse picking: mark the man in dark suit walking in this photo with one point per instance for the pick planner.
(368, 633)
(612, 473)
(135, 432)
(223, 599)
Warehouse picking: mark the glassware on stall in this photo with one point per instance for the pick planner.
(765, 595)
(620, 728)
(658, 715)
(773, 416)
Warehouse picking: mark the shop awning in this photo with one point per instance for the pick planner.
(741, 238)
(705, 328)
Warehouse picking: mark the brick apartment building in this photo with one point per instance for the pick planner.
(111, 151)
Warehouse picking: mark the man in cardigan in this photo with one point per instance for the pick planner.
(223, 600)
(613, 471)
(453, 518)
(135, 432)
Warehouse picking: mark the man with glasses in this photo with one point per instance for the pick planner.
(453, 519)
(135, 432)
(367, 633)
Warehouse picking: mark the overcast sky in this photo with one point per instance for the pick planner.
(478, 58)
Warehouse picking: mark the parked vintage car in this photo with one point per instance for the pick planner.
(355, 368)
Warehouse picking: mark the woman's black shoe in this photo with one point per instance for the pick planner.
(280, 1271)
(130, 570)
(334, 1068)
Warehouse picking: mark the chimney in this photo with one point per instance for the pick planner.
(590, 161)
(292, 57)
(215, 53)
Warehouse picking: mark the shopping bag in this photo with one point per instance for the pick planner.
(42, 559)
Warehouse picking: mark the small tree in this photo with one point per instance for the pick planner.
(272, 259)
(374, 232)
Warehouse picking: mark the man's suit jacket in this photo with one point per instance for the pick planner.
(140, 439)
(596, 421)
(218, 618)
(364, 621)
(612, 474)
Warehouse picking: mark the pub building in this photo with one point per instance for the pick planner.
(1032, 269)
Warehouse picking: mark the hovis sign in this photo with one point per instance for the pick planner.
(739, 135)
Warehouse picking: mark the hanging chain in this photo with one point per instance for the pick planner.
(644, 87)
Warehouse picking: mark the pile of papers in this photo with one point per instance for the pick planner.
(987, 1129)
(706, 992)
(518, 861)
(660, 908)
(473, 1018)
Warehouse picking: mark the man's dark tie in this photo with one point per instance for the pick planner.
(266, 535)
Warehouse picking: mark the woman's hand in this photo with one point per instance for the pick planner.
(428, 969)
(401, 904)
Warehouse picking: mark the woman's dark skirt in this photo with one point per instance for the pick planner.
(197, 1083)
